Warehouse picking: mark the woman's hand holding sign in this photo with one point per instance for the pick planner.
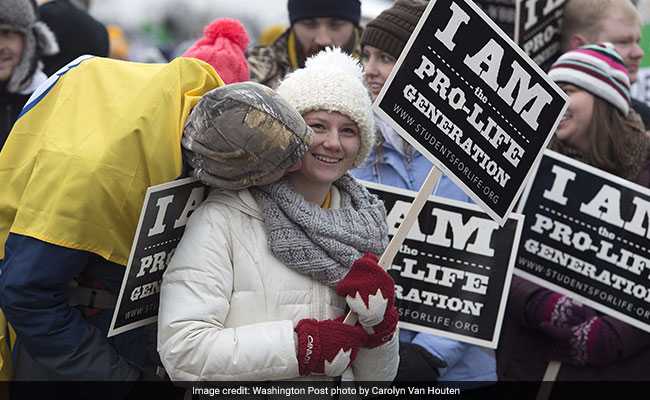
(546, 308)
(370, 293)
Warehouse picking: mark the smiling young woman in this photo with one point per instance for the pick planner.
(334, 148)
(576, 121)
(265, 273)
(601, 129)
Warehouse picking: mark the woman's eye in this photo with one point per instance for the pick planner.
(387, 59)
(568, 89)
(317, 127)
(349, 132)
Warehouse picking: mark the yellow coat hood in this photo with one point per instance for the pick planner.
(77, 163)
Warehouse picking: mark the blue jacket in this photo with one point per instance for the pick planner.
(55, 340)
(388, 166)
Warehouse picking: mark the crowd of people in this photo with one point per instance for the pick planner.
(288, 239)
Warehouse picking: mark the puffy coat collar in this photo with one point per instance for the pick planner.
(243, 201)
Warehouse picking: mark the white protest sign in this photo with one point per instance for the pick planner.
(640, 90)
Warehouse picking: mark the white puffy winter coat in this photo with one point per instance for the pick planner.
(228, 306)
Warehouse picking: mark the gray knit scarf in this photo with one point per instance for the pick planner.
(322, 243)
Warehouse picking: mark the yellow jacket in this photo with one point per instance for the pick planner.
(76, 165)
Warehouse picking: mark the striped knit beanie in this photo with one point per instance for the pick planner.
(598, 69)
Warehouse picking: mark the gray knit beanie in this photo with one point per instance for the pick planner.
(21, 16)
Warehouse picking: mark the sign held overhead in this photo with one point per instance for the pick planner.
(479, 109)
(538, 28)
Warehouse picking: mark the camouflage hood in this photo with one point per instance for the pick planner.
(243, 135)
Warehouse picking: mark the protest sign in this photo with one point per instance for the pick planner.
(164, 215)
(538, 28)
(470, 100)
(502, 12)
(586, 236)
(452, 272)
(640, 90)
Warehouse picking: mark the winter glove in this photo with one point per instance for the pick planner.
(592, 342)
(370, 293)
(327, 346)
(417, 364)
(549, 308)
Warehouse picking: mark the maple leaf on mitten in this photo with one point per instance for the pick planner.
(327, 347)
(370, 292)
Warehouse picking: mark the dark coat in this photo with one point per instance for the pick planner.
(643, 110)
(57, 341)
(10, 106)
(524, 351)
(76, 31)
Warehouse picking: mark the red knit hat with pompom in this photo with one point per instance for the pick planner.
(222, 46)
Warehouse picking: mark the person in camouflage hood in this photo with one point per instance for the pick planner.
(315, 25)
(243, 136)
(75, 171)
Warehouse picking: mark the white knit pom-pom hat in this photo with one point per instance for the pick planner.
(333, 81)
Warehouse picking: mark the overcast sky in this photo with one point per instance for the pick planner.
(132, 14)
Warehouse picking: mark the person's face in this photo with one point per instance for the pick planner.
(377, 65)
(335, 145)
(316, 34)
(575, 123)
(623, 29)
(11, 50)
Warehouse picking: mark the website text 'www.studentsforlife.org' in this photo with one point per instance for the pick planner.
(323, 390)
(445, 153)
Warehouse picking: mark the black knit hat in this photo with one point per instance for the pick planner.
(349, 10)
(392, 28)
(77, 32)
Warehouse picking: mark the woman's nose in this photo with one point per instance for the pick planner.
(332, 142)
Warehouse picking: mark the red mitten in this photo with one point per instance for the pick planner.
(593, 342)
(327, 346)
(370, 293)
(547, 307)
